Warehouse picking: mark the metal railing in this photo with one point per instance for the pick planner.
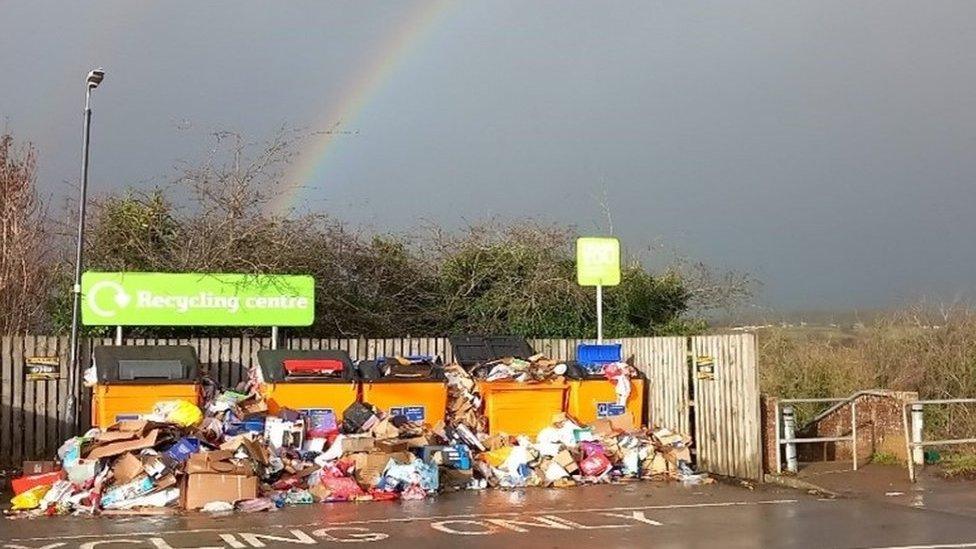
(793, 440)
(914, 443)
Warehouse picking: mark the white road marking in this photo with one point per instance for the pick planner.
(936, 546)
(433, 518)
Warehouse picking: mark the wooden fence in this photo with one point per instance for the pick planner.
(34, 422)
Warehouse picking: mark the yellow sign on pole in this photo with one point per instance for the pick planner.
(597, 261)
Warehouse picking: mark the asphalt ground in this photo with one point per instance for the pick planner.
(593, 517)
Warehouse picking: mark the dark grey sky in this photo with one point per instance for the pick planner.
(826, 146)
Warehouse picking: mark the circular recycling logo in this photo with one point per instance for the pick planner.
(119, 300)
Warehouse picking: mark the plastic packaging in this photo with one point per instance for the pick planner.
(180, 412)
(31, 499)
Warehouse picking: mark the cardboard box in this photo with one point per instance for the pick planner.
(659, 465)
(39, 467)
(216, 462)
(674, 455)
(370, 467)
(566, 461)
(201, 489)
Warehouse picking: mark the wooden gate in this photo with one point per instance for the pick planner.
(726, 392)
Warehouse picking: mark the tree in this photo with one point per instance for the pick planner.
(25, 245)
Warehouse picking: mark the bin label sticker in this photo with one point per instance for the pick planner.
(320, 419)
(610, 409)
(412, 413)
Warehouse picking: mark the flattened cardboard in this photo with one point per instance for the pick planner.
(356, 443)
(602, 427)
(385, 429)
(252, 447)
(126, 468)
(199, 490)
(130, 425)
(623, 423)
(115, 436)
(251, 406)
(393, 445)
(121, 447)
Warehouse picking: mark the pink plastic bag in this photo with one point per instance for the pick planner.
(595, 465)
(591, 448)
(342, 488)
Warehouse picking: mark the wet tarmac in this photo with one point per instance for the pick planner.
(595, 517)
(890, 483)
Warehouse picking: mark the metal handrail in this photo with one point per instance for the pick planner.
(911, 445)
(839, 402)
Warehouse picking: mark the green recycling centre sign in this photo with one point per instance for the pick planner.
(196, 299)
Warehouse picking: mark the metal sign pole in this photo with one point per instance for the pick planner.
(274, 337)
(599, 314)
(118, 335)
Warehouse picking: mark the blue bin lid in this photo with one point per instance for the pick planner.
(591, 353)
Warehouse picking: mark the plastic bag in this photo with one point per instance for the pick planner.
(495, 458)
(595, 465)
(298, 497)
(70, 452)
(180, 412)
(30, 499)
(342, 488)
(415, 472)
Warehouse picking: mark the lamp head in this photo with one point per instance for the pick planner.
(95, 78)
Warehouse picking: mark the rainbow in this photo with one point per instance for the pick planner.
(371, 78)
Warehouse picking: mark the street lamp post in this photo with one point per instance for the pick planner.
(95, 78)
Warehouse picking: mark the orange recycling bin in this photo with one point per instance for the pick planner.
(416, 389)
(592, 396)
(131, 379)
(517, 408)
(310, 381)
(593, 399)
(115, 402)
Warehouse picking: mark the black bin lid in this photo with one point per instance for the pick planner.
(272, 364)
(470, 350)
(146, 364)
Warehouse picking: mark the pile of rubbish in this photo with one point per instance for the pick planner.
(535, 368)
(233, 454)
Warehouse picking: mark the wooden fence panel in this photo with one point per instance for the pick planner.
(33, 418)
(727, 416)
(7, 405)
